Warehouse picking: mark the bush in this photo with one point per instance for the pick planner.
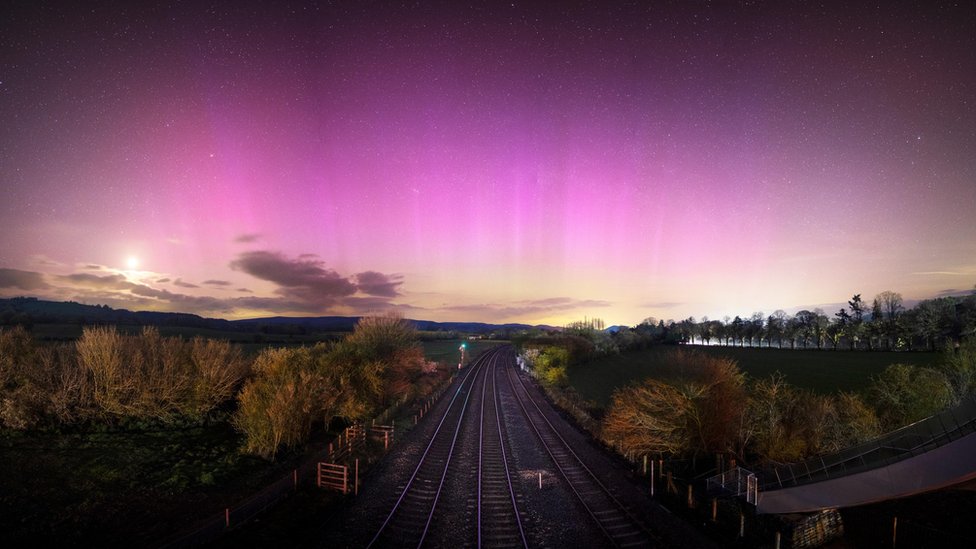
(788, 424)
(21, 403)
(698, 410)
(102, 353)
(217, 371)
(276, 408)
(650, 418)
(550, 366)
(904, 394)
(143, 378)
(959, 367)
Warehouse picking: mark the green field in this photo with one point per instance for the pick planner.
(820, 371)
(446, 350)
(438, 350)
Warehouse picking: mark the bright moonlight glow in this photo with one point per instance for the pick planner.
(132, 262)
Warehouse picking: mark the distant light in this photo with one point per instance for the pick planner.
(132, 262)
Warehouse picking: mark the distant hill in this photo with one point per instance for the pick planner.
(29, 310)
(346, 323)
(20, 310)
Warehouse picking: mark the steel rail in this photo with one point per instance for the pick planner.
(578, 462)
(472, 375)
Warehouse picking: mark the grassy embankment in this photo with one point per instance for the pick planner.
(820, 371)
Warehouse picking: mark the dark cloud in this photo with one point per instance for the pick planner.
(247, 238)
(179, 282)
(304, 285)
(24, 280)
(303, 280)
(93, 267)
(952, 292)
(378, 284)
(106, 282)
(125, 293)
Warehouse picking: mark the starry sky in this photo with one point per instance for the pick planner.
(488, 161)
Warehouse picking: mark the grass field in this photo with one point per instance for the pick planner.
(820, 371)
(94, 489)
(446, 350)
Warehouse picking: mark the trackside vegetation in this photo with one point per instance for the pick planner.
(695, 402)
(107, 379)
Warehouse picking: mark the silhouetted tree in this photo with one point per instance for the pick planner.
(775, 325)
(856, 328)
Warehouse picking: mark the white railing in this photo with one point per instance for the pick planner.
(736, 482)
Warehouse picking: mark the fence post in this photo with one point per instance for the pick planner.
(714, 509)
(652, 478)
(227, 517)
(690, 500)
(777, 540)
(894, 533)
(356, 485)
(742, 525)
(294, 476)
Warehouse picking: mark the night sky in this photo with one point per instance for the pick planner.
(508, 162)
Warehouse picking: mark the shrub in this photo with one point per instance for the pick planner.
(218, 370)
(149, 377)
(959, 367)
(67, 385)
(276, 407)
(650, 418)
(549, 366)
(904, 394)
(21, 403)
(775, 417)
(101, 352)
(698, 410)
(856, 423)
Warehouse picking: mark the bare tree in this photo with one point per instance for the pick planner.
(891, 305)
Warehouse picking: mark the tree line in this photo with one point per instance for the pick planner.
(884, 324)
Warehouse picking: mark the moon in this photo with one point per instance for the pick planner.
(132, 262)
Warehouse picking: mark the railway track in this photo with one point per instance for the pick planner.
(473, 410)
(620, 527)
(499, 522)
